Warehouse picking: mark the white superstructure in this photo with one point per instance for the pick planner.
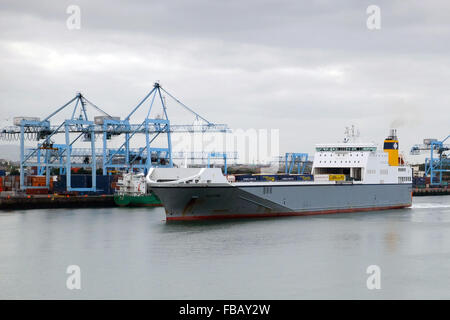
(361, 162)
(132, 184)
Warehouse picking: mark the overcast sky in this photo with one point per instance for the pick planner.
(308, 68)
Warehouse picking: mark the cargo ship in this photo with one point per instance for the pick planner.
(132, 192)
(346, 177)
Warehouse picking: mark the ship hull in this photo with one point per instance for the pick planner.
(149, 200)
(191, 202)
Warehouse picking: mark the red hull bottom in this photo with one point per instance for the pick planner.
(282, 214)
(148, 205)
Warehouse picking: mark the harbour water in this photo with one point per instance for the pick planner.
(128, 253)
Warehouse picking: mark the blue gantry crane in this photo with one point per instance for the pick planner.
(48, 154)
(438, 162)
(152, 127)
(83, 126)
(219, 155)
(295, 159)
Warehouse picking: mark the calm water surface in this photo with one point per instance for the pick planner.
(133, 253)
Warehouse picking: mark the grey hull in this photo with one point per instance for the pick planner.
(190, 202)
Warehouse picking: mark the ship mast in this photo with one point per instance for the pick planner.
(351, 134)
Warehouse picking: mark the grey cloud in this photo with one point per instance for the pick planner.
(308, 68)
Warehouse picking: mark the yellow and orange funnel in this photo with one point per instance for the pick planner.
(391, 147)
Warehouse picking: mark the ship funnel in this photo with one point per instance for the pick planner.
(391, 147)
(393, 135)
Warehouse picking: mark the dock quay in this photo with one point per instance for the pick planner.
(441, 191)
(22, 202)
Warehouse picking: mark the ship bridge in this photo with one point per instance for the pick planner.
(346, 159)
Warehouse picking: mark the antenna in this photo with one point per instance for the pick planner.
(347, 134)
(351, 134)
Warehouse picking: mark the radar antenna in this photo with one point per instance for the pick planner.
(351, 134)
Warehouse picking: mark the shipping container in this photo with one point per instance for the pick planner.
(337, 177)
(7, 182)
(246, 178)
(286, 177)
(38, 181)
(268, 177)
(305, 177)
(418, 181)
(37, 191)
(322, 177)
(281, 177)
(103, 183)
